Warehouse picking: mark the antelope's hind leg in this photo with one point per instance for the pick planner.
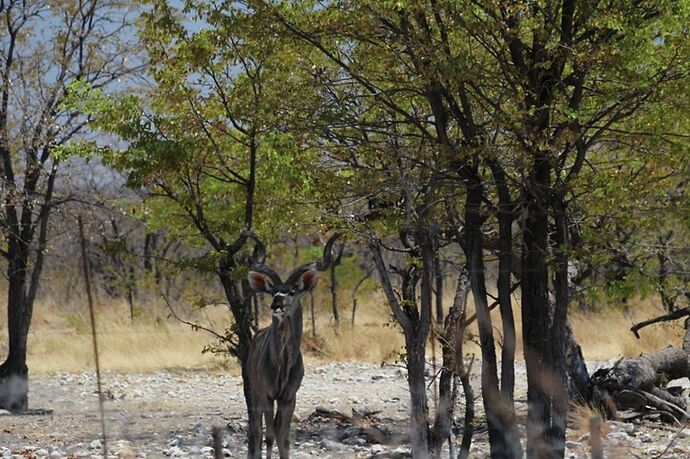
(282, 427)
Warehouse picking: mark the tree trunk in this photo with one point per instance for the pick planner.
(354, 292)
(334, 294)
(415, 321)
(415, 345)
(542, 380)
(451, 347)
(503, 284)
(503, 439)
(466, 441)
(130, 291)
(419, 410)
(354, 309)
(559, 351)
(150, 242)
(256, 310)
(578, 376)
(14, 374)
(239, 298)
(313, 314)
(438, 275)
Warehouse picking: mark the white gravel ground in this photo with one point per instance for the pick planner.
(171, 414)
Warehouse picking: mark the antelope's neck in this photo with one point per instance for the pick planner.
(289, 334)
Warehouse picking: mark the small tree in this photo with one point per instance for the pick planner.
(45, 47)
(210, 145)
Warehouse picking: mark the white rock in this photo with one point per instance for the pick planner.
(5, 413)
(330, 445)
(174, 441)
(682, 382)
(96, 444)
(175, 451)
(377, 449)
(645, 438)
(618, 438)
(622, 426)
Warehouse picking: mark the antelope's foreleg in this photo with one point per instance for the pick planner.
(282, 426)
(259, 406)
(270, 434)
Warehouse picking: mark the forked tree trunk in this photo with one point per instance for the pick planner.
(503, 284)
(415, 345)
(451, 342)
(22, 289)
(503, 437)
(415, 320)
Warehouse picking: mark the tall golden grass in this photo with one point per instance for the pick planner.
(60, 337)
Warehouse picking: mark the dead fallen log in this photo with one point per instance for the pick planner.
(639, 383)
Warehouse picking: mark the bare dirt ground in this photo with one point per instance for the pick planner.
(171, 414)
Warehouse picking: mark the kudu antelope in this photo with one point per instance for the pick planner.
(275, 359)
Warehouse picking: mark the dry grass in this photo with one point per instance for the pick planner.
(607, 334)
(60, 337)
(60, 340)
(579, 418)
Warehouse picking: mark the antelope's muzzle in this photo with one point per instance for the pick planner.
(278, 305)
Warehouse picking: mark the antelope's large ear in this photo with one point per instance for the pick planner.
(307, 281)
(259, 282)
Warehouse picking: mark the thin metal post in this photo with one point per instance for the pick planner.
(87, 281)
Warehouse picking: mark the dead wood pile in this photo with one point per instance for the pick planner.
(360, 428)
